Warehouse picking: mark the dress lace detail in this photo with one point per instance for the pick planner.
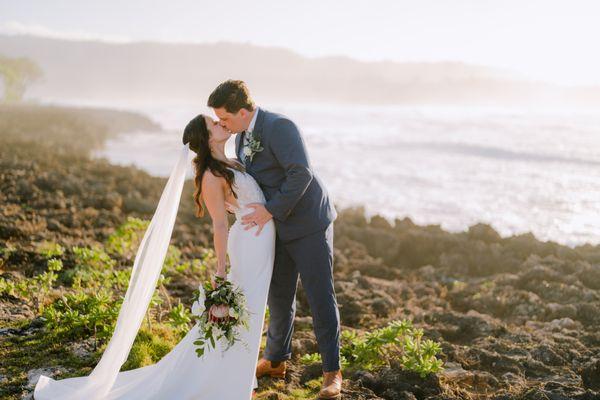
(247, 191)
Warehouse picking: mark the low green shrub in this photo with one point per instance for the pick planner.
(374, 349)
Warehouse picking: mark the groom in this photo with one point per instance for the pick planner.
(273, 151)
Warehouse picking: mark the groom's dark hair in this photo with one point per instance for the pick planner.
(232, 95)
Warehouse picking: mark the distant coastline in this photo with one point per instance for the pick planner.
(131, 71)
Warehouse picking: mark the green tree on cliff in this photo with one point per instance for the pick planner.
(17, 74)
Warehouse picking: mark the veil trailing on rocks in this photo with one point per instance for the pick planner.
(144, 276)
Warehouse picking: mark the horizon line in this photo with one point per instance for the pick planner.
(86, 38)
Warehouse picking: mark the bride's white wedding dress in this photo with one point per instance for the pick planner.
(181, 375)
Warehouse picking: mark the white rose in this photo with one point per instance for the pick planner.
(201, 293)
(233, 313)
(247, 151)
(197, 308)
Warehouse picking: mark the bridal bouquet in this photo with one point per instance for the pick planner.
(221, 312)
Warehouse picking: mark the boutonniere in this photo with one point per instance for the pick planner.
(252, 147)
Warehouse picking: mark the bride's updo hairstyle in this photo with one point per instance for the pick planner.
(196, 133)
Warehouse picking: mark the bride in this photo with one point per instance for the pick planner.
(222, 184)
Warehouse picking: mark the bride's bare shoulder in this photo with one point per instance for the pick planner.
(210, 180)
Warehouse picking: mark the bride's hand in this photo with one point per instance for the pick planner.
(220, 274)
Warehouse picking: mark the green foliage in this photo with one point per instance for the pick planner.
(126, 239)
(18, 289)
(95, 269)
(198, 267)
(50, 249)
(85, 277)
(36, 349)
(97, 284)
(93, 281)
(180, 318)
(150, 346)
(93, 257)
(79, 315)
(376, 348)
(17, 73)
(95, 287)
(310, 358)
(419, 355)
(172, 259)
(33, 290)
(43, 283)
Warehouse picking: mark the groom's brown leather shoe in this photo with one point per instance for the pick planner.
(273, 369)
(332, 385)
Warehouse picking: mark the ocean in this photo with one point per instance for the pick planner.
(517, 170)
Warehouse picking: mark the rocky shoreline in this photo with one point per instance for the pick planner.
(516, 318)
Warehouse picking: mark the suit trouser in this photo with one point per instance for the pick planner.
(311, 258)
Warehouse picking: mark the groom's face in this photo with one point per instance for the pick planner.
(234, 122)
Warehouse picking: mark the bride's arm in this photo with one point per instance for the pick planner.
(214, 199)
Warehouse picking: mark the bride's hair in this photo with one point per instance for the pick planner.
(196, 133)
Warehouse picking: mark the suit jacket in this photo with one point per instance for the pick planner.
(295, 195)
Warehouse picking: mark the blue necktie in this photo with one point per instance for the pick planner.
(243, 143)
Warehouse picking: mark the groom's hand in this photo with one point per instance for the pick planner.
(260, 216)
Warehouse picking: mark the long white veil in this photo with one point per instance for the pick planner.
(144, 276)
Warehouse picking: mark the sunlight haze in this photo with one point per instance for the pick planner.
(553, 41)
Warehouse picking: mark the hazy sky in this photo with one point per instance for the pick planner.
(547, 39)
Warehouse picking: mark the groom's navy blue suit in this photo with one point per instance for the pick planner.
(303, 215)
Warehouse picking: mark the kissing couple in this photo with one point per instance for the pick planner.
(283, 231)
